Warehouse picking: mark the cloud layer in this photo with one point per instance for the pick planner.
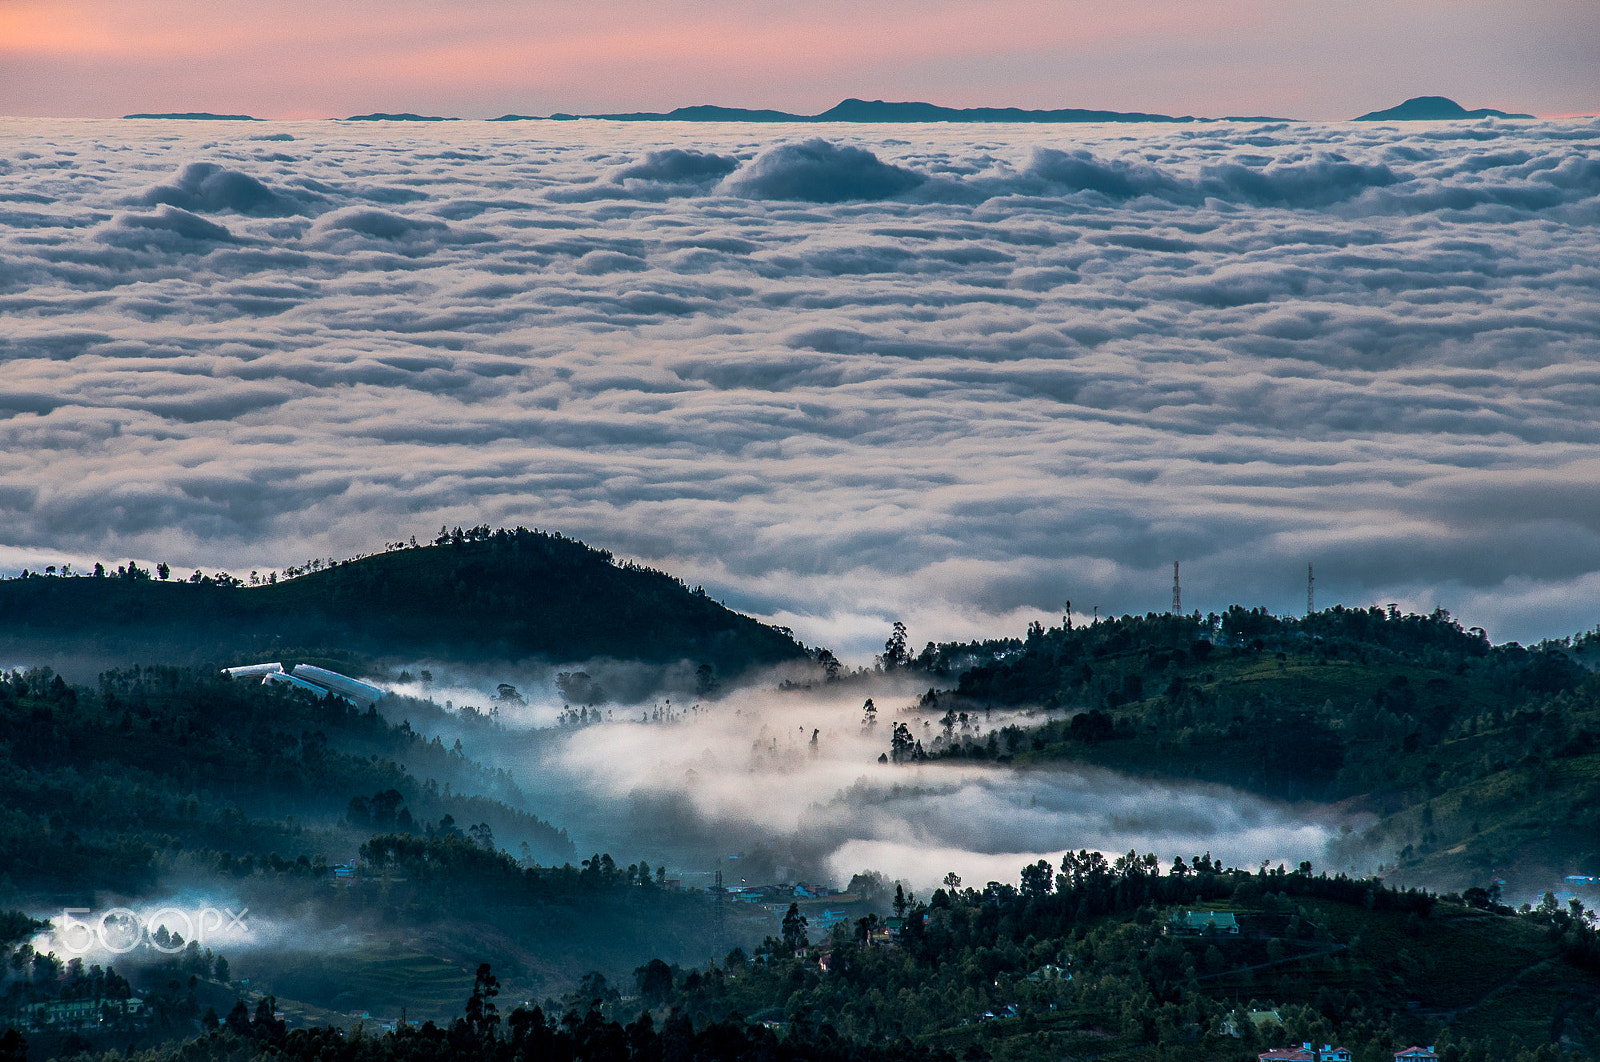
(951, 375)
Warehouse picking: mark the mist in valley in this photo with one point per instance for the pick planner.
(784, 776)
(773, 784)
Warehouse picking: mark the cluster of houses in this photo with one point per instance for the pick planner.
(77, 1013)
(1306, 1053)
(1328, 1053)
(882, 934)
(780, 893)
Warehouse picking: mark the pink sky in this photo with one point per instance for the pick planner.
(479, 58)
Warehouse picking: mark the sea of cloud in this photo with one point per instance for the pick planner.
(842, 374)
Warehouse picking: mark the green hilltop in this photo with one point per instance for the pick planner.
(472, 594)
(1478, 762)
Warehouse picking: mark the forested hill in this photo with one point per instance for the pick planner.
(107, 787)
(475, 594)
(1482, 761)
(375, 863)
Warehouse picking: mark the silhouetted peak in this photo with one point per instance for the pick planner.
(1433, 109)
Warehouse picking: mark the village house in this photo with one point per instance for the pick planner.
(1047, 973)
(77, 1013)
(1305, 1053)
(1198, 923)
(823, 921)
(1417, 1054)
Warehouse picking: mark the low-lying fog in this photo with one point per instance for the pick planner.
(791, 781)
(145, 930)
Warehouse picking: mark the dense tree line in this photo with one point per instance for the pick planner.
(483, 1034)
(469, 871)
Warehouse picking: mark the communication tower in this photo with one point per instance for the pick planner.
(1177, 594)
(1311, 588)
(717, 928)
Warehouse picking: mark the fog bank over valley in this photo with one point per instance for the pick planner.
(791, 781)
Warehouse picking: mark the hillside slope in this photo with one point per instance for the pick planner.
(367, 854)
(1481, 762)
(102, 788)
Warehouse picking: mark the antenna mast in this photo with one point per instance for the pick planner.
(718, 929)
(1311, 588)
(1177, 594)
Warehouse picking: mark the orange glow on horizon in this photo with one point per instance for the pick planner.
(299, 58)
(99, 27)
(53, 30)
(93, 29)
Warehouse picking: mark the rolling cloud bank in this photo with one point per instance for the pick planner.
(950, 375)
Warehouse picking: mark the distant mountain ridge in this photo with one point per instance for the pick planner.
(198, 116)
(881, 112)
(1433, 109)
(472, 595)
(405, 116)
(873, 111)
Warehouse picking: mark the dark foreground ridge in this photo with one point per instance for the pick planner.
(198, 116)
(1433, 109)
(469, 595)
(1097, 959)
(876, 111)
